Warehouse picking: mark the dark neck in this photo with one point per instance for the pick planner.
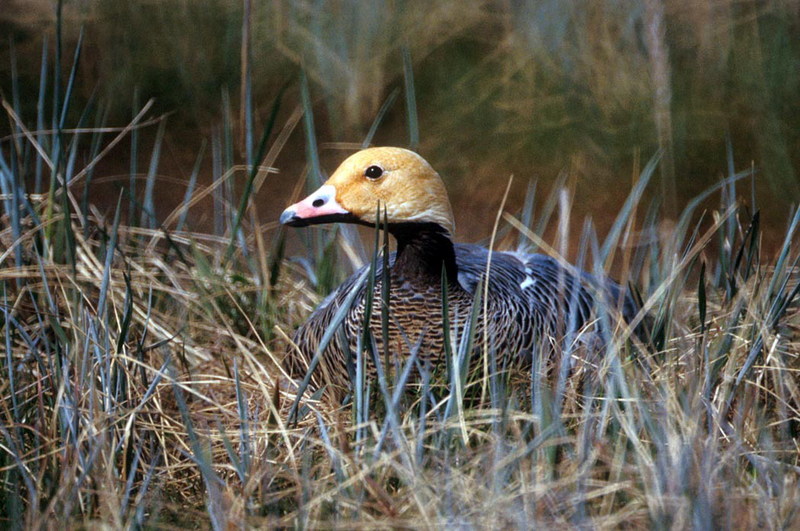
(423, 249)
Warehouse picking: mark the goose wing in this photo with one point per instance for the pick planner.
(540, 283)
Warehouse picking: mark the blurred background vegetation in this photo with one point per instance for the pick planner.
(533, 89)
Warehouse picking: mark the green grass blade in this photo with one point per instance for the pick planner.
(187, 196)
(70, 83)
(134, 161)
(385, 298)
(312, 153)
(411, 100)
(241, 407)
(630, 204)
(149, 218)
(109, 259)
(527, 216)
(253, 172)
(40, 116)
(387, 104)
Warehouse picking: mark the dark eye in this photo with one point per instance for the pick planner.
(373, 172)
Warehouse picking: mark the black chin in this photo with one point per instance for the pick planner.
(295, 221)
(399, 230)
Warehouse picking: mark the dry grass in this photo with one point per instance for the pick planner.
(167, 409)
(141, 381)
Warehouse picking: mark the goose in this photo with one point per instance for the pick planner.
(530, 299)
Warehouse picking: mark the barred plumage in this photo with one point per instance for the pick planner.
(532, 302)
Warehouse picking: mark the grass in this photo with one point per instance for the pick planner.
(142, 384)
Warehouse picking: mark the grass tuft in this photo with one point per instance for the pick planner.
(142, 382)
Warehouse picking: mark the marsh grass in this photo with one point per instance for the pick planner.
(142, 384)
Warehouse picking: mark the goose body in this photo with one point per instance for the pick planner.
(531, 301)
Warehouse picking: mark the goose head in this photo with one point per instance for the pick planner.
(399, 180)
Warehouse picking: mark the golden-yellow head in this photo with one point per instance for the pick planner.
(400, 180)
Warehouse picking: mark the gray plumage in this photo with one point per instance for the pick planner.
(532, 302)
